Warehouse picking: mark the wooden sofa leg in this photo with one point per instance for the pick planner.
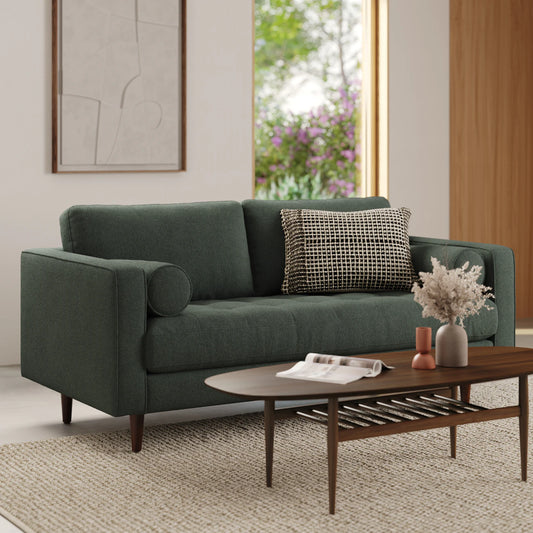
(66, 408)
(465, 393)
(136, 429)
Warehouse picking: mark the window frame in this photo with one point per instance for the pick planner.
(375, 99)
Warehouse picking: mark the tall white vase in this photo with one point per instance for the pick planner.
(451, 345)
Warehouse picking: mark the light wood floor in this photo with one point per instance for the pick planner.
(30, 412)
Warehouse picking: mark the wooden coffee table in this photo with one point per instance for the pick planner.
(396, 401)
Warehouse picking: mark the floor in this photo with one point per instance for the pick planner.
(31, 412)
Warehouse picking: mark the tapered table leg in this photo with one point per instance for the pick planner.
(453, 429)
(465, 393)
(269, 439)
(523, 398)
(333, 448)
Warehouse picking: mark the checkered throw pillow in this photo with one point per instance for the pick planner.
(329, 251)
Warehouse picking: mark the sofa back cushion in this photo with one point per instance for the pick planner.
(265, 234)
(207, 240)
(448, 255)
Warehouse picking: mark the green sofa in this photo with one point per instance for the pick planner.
(144, 302)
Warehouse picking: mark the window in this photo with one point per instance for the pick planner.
(316, 113)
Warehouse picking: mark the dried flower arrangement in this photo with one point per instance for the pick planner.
(448, 295)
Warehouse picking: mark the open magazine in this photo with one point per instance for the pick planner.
(334, 368)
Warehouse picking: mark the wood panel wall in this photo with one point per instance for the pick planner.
(491, 130)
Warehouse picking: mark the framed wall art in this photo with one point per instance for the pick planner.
(118, 85)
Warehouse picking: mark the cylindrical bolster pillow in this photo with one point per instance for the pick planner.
(169, 288)
(449, 256)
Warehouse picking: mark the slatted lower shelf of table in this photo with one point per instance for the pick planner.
(370, 417)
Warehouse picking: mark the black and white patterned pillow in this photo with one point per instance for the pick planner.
(330, 251)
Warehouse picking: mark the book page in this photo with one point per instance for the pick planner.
(334, 368)
(375, 365)
(324, 372)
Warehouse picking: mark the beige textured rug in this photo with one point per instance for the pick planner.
(209, 476)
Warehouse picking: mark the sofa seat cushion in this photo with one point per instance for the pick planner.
(263, 330)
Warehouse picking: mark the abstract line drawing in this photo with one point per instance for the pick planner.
(118, 85)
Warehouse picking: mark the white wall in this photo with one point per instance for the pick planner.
(219, 135)
(419, 147)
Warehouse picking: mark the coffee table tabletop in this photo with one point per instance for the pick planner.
(484, 364)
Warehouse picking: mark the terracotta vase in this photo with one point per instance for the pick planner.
(451, 345)
(423, 360)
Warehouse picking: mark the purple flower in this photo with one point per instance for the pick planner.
(323, 119)
(302, 136)
(276, 141)
(277, 130)
(315, 132)
(340, 164)
(349, 154)
(349, 188)
(260, 180)
(288, 130)
(272, 168)
(343, 93)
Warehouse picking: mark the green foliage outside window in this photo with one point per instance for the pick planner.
(311, 154)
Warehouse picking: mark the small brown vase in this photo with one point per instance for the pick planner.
(423, 360)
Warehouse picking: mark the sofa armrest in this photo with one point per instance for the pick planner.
(82, 325)
(499, 273)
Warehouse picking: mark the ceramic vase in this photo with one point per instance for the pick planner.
(451, 345)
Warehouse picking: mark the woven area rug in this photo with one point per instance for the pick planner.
(209, 476)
